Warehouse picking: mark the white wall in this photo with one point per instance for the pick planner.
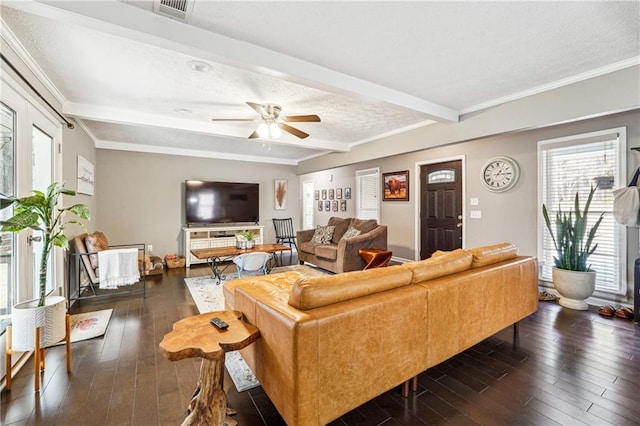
(141, 195)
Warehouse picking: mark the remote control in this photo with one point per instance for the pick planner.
(219, 323)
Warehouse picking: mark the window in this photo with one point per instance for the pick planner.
(367, 194)
(308, 204)
(573, 164)
(7, 241)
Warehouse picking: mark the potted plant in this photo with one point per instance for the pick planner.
(572, 276)
(246, 239)
(41, 213)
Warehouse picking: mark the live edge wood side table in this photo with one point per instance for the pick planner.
(196, 337)
(375, 258)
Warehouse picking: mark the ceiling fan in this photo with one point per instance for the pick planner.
(272, 123)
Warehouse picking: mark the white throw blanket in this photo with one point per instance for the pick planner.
(118, 267)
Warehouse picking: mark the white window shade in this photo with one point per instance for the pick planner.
(368, 194)
(575, 164)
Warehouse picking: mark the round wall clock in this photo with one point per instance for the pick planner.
(500, 174)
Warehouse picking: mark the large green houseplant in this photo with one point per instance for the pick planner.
(573, 244)
(41, 213)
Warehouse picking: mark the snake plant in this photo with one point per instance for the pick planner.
(41, 213)
(572, 248)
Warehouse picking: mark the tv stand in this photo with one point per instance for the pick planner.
(200, 237)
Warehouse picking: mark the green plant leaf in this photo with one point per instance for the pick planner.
(80, 210)
(60, 240)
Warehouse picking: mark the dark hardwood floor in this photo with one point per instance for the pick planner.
(565, 367)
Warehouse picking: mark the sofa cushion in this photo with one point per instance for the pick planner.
(96, 242)
(323, 234)
(488, 255)
(341, 225)
(364, 225)
(308, 247)
(278, 285)
(314, 292)
(327, 251)
(444, 264)
(351, 232)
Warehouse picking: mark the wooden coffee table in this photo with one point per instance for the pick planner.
(375, 258)
(196, 337)
(215, 255)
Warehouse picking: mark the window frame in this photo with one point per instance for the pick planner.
(360, 174)
(620, 234)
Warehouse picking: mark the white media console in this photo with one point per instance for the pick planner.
(198, 237)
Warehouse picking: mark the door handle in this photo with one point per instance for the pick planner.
(31, 239)
(459, 217)
(459, 225)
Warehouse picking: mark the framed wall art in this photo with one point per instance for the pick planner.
(317, 194)
(327, 205)
(280, 193)
(347, 193)
(324, 194)
(343, 205)
(395, 186)
(320, 205)
(338, 193)
(85, 176)
(331, 194)
(334, 205)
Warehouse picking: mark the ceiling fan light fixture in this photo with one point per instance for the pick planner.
(263, 131)
(274, 131)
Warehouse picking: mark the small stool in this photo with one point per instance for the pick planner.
(375, 258)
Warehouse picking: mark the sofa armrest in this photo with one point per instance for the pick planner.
(305, 235)
(348, 258)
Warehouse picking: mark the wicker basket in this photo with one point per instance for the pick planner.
(180, 262)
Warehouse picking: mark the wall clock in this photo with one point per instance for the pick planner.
(500, 174)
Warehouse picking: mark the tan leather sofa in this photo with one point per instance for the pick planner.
(340, 254)
(328, 344)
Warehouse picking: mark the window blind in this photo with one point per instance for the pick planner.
(575, 164)
(367, 194)
(307, 204)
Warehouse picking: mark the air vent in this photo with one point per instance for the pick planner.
(176, 9)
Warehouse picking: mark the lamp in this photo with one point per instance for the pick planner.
(269, 129)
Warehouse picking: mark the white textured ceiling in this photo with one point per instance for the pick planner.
(366, 68)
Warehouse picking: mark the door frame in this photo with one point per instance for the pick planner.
(416, 196)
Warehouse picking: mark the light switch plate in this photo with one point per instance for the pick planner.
(476, 214)
(474, 201)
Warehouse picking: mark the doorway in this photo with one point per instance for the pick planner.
(440, 206)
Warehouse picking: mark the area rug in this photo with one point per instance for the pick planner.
(208, 297)
(89, 324)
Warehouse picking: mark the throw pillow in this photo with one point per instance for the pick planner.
(96, 242)
(351, 232)
(364, 225)
(323, 234)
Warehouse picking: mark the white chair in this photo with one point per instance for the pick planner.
(252, 262)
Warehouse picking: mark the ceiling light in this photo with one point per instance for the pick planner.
(199, 66)
(269, 130)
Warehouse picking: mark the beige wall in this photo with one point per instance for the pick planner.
(76, 142)
(510, 216)
(142, 195)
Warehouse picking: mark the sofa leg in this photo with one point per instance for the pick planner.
(516, 327)
(413, 382)
(405, 389)
(301, 262)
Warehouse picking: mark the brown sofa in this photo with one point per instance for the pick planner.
(341, 254)
(328, 344)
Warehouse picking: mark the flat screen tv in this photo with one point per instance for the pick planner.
(221, 202)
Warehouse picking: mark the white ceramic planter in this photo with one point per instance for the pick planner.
(574, 287)
(26, 316)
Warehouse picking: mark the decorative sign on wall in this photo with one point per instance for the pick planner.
(85, 176)
(280, 191)
(395, 186)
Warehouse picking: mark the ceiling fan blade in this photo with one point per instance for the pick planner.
(233, 119)
(259, 108)
(301, 118)
(293, 130)
(254, 135)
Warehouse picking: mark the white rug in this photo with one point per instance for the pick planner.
(208, 297)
